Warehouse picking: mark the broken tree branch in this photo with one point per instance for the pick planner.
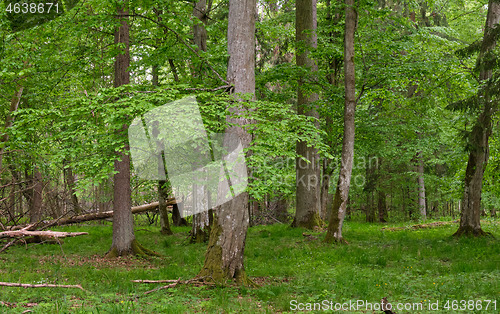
(44, 285)
(49, 234)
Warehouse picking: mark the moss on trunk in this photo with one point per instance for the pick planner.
(214, 270)
(311, 220)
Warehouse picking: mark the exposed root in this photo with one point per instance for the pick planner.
(136, 249)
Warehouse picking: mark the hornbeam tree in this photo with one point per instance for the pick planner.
(343, 184)
(308, 171)
(124, 241)
(224, 255)
(470, 223)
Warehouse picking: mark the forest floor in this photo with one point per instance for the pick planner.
(293, 268)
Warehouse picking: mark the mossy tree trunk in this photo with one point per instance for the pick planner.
(470, 223)
(224, 256)
(308, 182)
(337, 216)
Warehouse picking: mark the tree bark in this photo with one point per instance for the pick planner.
(421, 186)
(123, 222)
(334, 232)
(200, 230)
(14, 105)
(69, 179)
(224, 255)
(470, 223)
(308, 180)
(36, 199)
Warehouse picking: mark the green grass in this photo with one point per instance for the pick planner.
(414, 266)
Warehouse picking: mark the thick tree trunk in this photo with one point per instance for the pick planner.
(124, 242)
(421, 186)
(342, 192)
(308, 182)
(478, 156)
(224, 256)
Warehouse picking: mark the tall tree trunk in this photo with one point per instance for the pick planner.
(224, 256)
(382, 209)
(14, 104)
(334, 232)
(470, 223)
(69, 179)
(421, 186)
(162, 208)
(36, 200)
(369, 189)
(124, 242)
(308, 183)
(200, 229)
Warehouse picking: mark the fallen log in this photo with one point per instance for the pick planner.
(45, 234)
(89, 217)
(43, 285)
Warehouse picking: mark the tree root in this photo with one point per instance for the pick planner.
(471, 232)
(136, 249)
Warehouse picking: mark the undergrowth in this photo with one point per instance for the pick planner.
(405, 266)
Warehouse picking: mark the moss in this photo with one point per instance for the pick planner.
(213, 270)
(312, 220)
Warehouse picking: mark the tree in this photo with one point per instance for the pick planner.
(307, 164)
(201, 221)
(470, 223)
(124, 241)
(224, 255)
(343, 184)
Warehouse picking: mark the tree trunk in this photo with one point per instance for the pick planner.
(370, 185)
(200, 227)
(308, 182)
(69, 179)
(124, 242)
(224, 256)
(478, 156)
(14, 104)
(162, 208)
(36, 200)
(382, 210)
(421, 186)
(334, 232)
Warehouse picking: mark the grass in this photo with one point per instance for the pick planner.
(406, 266)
